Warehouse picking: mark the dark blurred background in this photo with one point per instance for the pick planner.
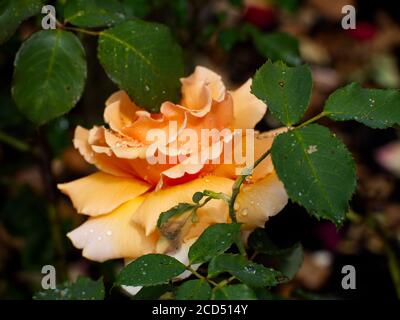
(227, 36)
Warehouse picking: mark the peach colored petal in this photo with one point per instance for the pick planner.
(99, 157)
(101, 193)
(211, 84)
(113, 236)
(197, 97)
(262, 143)
(123, 146)
(259, 201)
(163, 200)
(120, 111)
(248, 110)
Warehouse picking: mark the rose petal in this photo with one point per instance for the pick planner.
(101, 193)
(99, 155)
(160, 201)
(211, 81)
(113, 236)
(248, 110)
(259, 201)
(120, 111)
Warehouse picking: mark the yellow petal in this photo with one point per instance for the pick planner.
(248, 110)
(113, 236)
(157, 202)
(259, 201)
(101, 193)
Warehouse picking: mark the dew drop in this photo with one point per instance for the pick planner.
(250, 269)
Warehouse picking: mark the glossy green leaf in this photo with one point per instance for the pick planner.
(152, 292)
(287, 260)
(375, 108)
(250, 273)
(215, 240)
(83, 289)
(150, 270)
(265, 294)
(176, 211)
(290, 261)
(285, 90)
(49, 75)
(143, 59)
(234, 292)
(317, 170)
(13, 12)
(137, 8)
(94, 13)
(260, 242)
(278, 46)
(194, 290)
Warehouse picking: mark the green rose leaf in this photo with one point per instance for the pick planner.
(150, 270)
(137, 8)
(176, 211)
(317, 170)
(215, 240)
(260, 242)
(152, 292)
(278, 46)
(194, 290)
(143, 59)
(83, 289)
(286, 90)
(287, 260)
(49, 75)
(13, 12)
(94, 13)
(375, 108)
(234, 292)
(290, 262)
(250, 273)
(264, 294)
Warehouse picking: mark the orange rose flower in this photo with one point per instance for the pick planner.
(126, 196)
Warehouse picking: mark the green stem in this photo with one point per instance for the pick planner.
(313, 119)
(89, 32)
(238, 183)
(225, 282)
(14, 142)
(198, 275)
(92, 33)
